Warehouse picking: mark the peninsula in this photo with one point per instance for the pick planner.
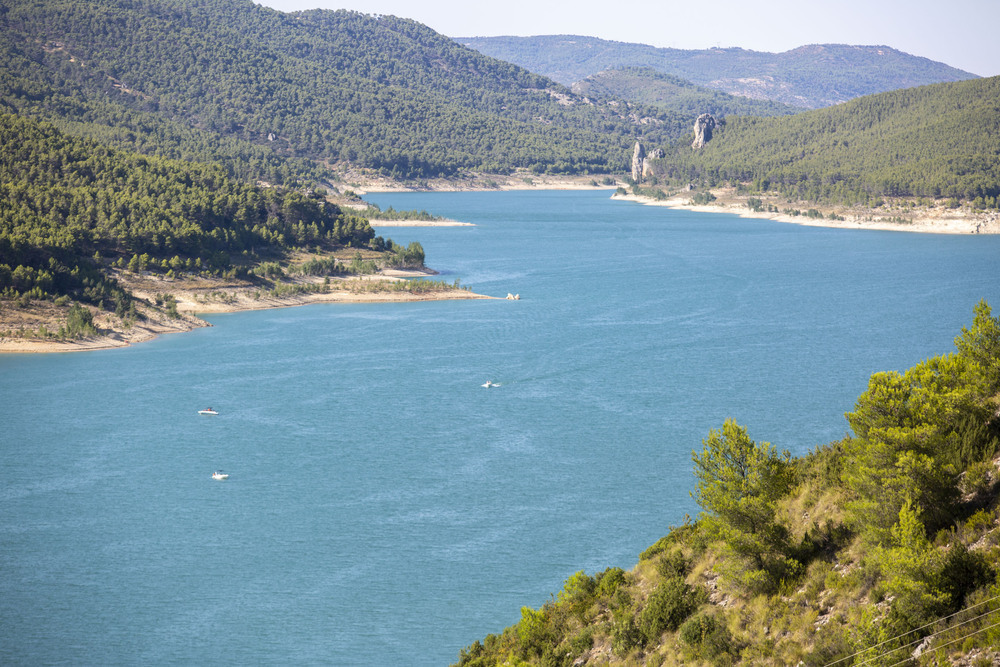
(173, 306)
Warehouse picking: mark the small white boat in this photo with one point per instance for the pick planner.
(218, 474)
(490, 383)
(207, 411)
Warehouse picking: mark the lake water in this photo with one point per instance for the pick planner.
(385, 509)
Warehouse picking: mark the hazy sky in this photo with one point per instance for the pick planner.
(962, 33)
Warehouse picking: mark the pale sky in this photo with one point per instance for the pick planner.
(961, 33)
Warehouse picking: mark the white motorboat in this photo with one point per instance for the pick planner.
(218, 474)
(490, 383)
(207, 411)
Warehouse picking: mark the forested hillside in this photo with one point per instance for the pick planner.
(881, 549)
(940, 141)
(811, 76)
(72, 210)
(250, 87)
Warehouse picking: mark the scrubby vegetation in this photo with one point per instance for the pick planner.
(880, 549)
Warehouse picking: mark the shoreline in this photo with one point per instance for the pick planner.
(419, 223)
(208, 299)
(938, 221)
(486, 183)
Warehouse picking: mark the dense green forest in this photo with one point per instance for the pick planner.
(880, 549)
(811, 76)
(71, 209)
(685, 99)
(238, 83)
(43, 82)
(940, 141)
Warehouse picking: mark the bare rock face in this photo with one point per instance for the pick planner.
(638, 156)
(647, 164)
(703, 130)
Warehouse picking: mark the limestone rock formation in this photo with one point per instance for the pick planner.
(647, 164)
(703, 127)
(638, 156)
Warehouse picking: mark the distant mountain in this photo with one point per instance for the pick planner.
(269, 94)
(811, 76)
(931, 141)
(649, 87)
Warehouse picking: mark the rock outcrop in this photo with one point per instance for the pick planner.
(638, 157)
(647, 162)
(703, 127)
(641, 162)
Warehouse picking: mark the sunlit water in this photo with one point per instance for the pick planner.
(384, 508)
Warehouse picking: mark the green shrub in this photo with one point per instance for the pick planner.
(609, 581)
(667, 607)
(977, 480)
(625, 633)
(979, 522)
(533, 631)
(673, 564)
(656, 548)
(577, 587)
(707, 635)
(581, 642)
(963, 572)
(80, 321)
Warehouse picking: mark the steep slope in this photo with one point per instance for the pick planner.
(210, 78)
(932, 141)
(811, 76)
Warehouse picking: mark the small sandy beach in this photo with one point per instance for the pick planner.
(419, 223)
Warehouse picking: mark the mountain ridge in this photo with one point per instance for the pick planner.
(782, 77)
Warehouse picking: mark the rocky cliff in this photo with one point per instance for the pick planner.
(703, 127)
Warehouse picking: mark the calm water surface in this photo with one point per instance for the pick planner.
(383, 508)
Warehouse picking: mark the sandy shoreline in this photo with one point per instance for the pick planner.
(419, 223)
(937, 220)
(931, 221)
(213, 299)
(487, 183)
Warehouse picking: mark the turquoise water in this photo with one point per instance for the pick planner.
(383, 508)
